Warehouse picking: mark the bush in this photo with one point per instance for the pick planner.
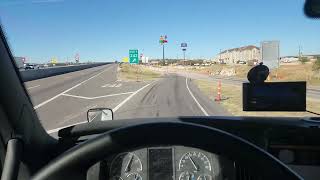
(316, 65)
(303, 60)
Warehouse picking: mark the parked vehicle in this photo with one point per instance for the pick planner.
(31, 66)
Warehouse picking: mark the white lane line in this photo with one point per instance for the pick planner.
(106, 85)
(194, 98)
(33, 87)
(75, 96)
(110, 95)
(96, 97)
(114, 110)
(56, 96)
(128, 98)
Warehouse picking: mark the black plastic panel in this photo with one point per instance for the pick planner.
(160, 164)
(274, 96)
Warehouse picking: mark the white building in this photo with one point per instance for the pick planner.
(289, 59)
(236, 55)
(145, 59)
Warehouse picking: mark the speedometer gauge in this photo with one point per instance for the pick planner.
(194, 161)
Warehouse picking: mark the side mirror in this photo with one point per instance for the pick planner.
(99, 114)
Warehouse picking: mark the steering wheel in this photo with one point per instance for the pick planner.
(75, 162)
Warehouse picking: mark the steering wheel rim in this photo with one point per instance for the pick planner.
(78, 159)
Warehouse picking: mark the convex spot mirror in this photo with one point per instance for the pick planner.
(99, 114)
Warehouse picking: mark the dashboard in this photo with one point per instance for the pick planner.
(165, 163)
(294, 141)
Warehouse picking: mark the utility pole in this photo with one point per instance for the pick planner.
(299, 52)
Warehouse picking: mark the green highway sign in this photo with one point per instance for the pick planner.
(133, 56)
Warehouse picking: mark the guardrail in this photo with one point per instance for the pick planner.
(34, 74)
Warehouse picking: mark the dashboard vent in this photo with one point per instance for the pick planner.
(242, 173)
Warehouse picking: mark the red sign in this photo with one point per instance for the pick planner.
(163, 39)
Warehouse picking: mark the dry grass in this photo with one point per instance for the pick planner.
(136, 72)
(298, 72)
(233, 100)
(241, 70)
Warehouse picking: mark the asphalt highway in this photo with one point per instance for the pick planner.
(63, 100)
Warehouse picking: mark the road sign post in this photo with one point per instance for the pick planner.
(184, 48)
(133, 56)
(162, 41)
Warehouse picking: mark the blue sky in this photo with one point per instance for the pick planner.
(101, 30)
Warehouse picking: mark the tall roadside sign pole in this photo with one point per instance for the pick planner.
(162, 41)
(162, 52)
(184, 48)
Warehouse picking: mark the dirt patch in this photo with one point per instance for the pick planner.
(136, 73)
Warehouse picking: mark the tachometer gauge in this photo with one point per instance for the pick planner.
(194, 161)
(204, 177)
(125, 164)
(186, 176)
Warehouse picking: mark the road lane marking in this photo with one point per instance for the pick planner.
(112, 85)
(96, 97)
(114, 110)
(33, 87)
(128, 98)
(194, 98)
(106, 85)
(56, 96)
(75, 96)
(110, 95)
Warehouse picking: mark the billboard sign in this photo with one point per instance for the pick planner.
(184, 45)
(270, 52)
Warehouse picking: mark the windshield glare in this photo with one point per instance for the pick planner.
(147, 59)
